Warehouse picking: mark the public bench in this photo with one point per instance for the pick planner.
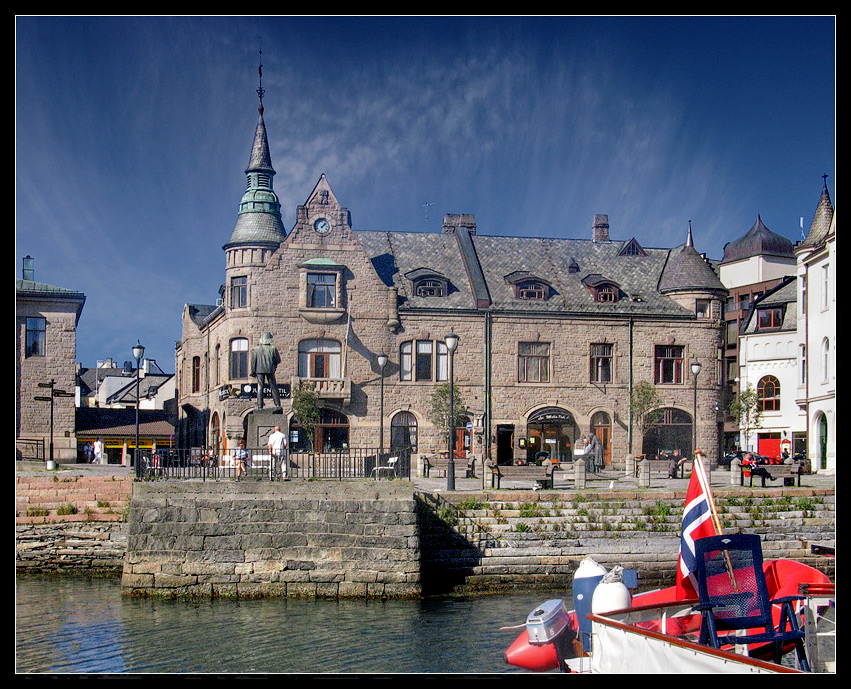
(441, 464)
(661, 466)
(790, 473)
(530, 472)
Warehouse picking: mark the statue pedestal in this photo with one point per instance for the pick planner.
(260, 424)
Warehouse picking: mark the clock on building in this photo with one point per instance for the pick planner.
(321, 226)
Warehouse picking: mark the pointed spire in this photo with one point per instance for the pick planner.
(259, 221)
(820, 225)
(687, 270)
(689, 240)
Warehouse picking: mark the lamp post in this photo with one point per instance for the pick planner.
(451, 345)
(382, 362)
(695, 369)
(138, 353)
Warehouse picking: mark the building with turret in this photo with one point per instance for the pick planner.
(817, 270)
(554, 333)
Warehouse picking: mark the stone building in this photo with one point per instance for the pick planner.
(554, 333)
(46, 320)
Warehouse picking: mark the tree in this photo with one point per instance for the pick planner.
(644, 403)
(438, 412)
(747, 408)
(306, 410)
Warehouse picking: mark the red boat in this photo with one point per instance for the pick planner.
(783, 577)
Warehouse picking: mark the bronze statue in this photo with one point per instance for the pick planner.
(264, 361)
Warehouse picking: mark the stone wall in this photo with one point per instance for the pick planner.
(324, 539)
(510, 539)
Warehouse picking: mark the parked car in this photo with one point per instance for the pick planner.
(726, 459)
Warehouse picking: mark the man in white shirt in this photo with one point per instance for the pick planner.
(277, 445)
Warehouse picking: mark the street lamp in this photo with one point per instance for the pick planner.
(138, 353)
(695, 369)
(382, 362)
(451, 344)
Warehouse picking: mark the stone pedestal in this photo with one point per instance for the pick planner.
(260, 424)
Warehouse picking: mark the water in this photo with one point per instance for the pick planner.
(80, 625)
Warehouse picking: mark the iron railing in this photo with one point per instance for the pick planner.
(30, 449)
(355, 463)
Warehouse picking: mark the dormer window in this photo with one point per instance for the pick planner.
(769, 319)
(632, 248)
(529, 287)
(429, 288)
(602, 289)
(428, 283)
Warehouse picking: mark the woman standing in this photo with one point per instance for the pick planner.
(243, 459)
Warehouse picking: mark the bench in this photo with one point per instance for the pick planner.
(441, 464)
(790, 473)
(661, 466)
(529, 472)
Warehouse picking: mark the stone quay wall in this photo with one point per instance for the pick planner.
(250, 539)
(362, 539)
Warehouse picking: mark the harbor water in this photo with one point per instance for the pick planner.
(81, 625)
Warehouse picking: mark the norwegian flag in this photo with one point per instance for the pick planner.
(697, 523)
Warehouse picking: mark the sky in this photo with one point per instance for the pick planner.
(132, 135)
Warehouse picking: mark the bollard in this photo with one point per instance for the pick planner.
(644, 475)
(736, 472)
(579, 473)
(630, 466)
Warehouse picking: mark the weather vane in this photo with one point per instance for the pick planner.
(260, 90)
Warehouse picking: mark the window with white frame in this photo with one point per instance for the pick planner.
(423, 360)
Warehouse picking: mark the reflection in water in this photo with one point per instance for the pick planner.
(79, 625)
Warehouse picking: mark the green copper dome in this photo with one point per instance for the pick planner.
(259, 220)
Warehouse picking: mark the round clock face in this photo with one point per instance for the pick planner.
(321, 226)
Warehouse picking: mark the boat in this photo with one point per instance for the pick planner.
(610, 630)
(659, 623)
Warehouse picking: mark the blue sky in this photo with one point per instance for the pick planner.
(133, 133)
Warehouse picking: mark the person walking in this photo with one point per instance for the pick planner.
(98, 452)
(277, 445)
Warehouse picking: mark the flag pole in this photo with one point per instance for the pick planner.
(698, 461)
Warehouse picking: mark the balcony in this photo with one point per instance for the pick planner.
(338, 389)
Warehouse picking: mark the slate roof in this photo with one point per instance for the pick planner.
(758, 241)
(784, 295)
(820, 226)
(394, 254)
(97, 421)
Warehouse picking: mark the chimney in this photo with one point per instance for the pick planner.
(600, 230)
(452, 221)
(29, 271)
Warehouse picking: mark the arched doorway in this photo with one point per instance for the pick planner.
(673, 431)
(403, 432)
(550, 434)
(821, 435)
(215, 439)
(331, 434)
(601, 426)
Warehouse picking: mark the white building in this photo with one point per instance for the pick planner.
(768, 362)
(816, 267)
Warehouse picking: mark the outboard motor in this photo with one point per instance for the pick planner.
(548, 624)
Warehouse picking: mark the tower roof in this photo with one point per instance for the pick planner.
(820, 225)
(259, 221)
(758, 241)
(687, 270)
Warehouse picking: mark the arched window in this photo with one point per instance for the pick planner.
(671, 431)
(768, 392)
(825, 360)
(403, 432)
(429, 288)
